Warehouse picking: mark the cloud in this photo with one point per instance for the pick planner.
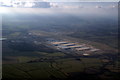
(54, 5)
(63, 5)
(24, 4)
(48, 4)
(28, 4)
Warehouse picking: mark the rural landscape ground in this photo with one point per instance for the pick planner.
(61, 44)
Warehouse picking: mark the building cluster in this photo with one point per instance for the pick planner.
(66, 45)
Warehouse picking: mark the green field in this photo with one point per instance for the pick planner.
(60, 69)
(41, 70)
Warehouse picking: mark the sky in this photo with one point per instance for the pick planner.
(45, 8)
(64, 7)
(45, 3)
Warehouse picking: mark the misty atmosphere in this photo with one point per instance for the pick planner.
(60, 41)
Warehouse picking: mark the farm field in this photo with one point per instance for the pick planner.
(58, 69)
